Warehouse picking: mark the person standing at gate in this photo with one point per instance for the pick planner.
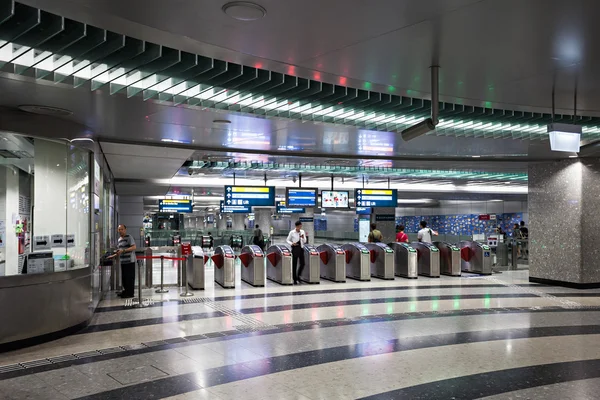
(297, 239)
(126, 251)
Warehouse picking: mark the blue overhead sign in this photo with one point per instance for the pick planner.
(250, 196)
(234, 209)
(363, 210)
(178, 206)
(376, 197)
(282, 209)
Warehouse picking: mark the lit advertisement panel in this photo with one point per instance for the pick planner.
(335, 199)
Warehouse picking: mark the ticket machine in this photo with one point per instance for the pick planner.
(332, 262)
(475, 257)
(382, 260)
(311, 271)
(224, 262)
(358, 261)
(405, 260)
(450, 263)
(428, 259)
(279, 264)
(252, 261)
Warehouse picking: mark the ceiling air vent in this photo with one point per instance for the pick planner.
(46, 110)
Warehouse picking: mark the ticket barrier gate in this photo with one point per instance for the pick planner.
(252, 259)
(206, 242)
(382, 260)
(195, 269)
(476, 257)
(450, 263)
(358, 261)
(405, 260)
(332, 262)
(224, 262)
(311, 271)
(428, 259)
(279, 264)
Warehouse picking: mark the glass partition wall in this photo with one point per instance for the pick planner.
(44, 205)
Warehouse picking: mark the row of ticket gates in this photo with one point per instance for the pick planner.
(337, 263)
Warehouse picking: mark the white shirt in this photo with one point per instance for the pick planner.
(424, 235)
(295, 237)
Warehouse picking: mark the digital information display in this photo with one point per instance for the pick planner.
(282, 209)
(234, 209)
(250, 196)
(179, 206)
(301, 197)
(335, 199)
(363, 210)
(376, 197)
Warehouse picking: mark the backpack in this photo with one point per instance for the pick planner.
(376, 236)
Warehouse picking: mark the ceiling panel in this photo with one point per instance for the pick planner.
(140, 189)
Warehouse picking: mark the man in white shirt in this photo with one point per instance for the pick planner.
(297, 239)
(425, 234)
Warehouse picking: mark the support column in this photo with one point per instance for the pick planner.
(131, 214)
(262, 218)
(238, 221)
(564, 197)
(308, 223)
(385, 219)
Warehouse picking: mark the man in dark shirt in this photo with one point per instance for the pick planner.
(126, 251)
(524, 230)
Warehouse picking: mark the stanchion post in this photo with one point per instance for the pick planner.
(162, 276)
(140, 303)
(186, 292)
(179, 252)
(149, 269)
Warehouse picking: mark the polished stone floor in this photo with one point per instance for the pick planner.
(496, 337)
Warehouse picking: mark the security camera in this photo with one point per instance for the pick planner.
(190, 172)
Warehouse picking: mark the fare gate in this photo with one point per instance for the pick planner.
(311, 271)
(332, 264)
(405, 260)
(195, 269)
(358, 261)
(450, 261)
(428, 259)
(224, 262)
(382, 260)
(252, 259)
(476, 257)
(279, 264)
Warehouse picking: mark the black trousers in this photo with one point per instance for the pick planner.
(297, 255)
(128, 278)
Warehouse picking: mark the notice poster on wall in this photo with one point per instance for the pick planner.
(2, 234)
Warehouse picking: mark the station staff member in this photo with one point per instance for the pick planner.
(297, 239)
(126, 251)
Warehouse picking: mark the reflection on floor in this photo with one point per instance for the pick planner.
(496, 337)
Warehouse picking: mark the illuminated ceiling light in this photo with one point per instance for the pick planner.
(429, 124)
(564, 137)
(573, 156)
(476, 156)
(244, 10)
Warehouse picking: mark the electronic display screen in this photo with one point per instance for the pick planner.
(335, 199)
(301, 197)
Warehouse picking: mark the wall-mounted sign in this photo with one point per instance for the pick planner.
(58, 241)
(484, 217)
(179, 206)
(41, 243)
(364, 210)
(225, 209)
(385, 217)
(306, 219)
(376, 197)
(250, 196)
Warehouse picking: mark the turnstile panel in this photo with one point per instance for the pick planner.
(224, 262)
(252, 260)
(382, 260)
(311, 271)
(195, 270)
(332, 264)
(476, 257)
(279, 264)
(358, 261)
(450, 261)
(428, 259)
(405, 260)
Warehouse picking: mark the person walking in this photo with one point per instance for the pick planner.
(426, 234)
(375, 235)
(258, 239)
(126, 251)
(297, 238)
(401, 237)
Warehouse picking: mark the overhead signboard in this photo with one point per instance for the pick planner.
(376, 197)
(363, 210)
(282, 209)
(225, 209)
(178, 206)
(301, 197)
(250, 196)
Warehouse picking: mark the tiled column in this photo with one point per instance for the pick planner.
(385, 219)
(238, 221)
(564, 198)
(308, 223)
(262, 218)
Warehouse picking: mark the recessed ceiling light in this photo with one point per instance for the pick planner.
(572, 156)
(476, 156)
(244, 10)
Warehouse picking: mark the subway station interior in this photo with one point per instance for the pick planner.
(277, 199)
